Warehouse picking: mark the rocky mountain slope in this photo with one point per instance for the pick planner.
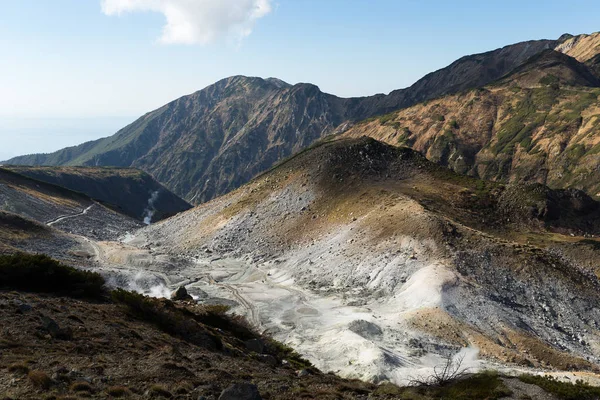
(208, 143)
(22, 234)
(373, 262)
(59, 208)
(129, 191)
(538, 124)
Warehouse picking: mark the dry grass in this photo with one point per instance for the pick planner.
(18, 368)
(81, 387)
(159, 391)
(118, 391)
(40, 379)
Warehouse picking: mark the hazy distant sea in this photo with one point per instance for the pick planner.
(19, 136)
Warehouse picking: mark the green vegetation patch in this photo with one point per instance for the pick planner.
(167, 317)
(484, 385)
(40, 273)
(563, 390)
(519, 128)
(385, 119)
(285, 352)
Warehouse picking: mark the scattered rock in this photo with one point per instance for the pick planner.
(303, 372)
(241, 391)
(255, 345)
(181, 294)
(23, 308)
(50, 326)
(268, 359)
(365, 329)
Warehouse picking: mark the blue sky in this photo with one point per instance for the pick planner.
(68, 60)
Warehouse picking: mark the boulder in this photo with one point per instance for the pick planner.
(255, 345)
(366, 329)
(268, 359)
(302, 372)
(241, 391)
(50, 326)
(181, 294)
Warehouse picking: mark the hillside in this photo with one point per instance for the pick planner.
(128, 191)
(144, 348)
(373, 263)
(210, 142)
(22, 234)
(538, 124)
(60, 208)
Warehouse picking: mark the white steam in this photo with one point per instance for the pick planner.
(197, 21)
(150, 210)
(140, 282)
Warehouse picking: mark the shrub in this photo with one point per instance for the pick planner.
(564, 390)
(40, 379)
(165, 316)
(40, 273)
(18, 368)
(285, 352)
(159, 391)
(81, 387)
(118, 391)
(384, 119)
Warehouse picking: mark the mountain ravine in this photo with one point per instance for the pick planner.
(210, 142)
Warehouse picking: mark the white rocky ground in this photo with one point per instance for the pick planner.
(366, 337)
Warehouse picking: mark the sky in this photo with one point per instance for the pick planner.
(75, 70)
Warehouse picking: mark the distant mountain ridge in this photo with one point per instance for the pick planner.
(539, 124)
(210, 142)
(129, 191)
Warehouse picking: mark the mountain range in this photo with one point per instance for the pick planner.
(453, 224)
(210, 142)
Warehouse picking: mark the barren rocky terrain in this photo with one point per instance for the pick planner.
(376, 263)
(347, 253)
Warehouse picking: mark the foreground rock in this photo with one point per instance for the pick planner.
(181, 294)
(241, 391)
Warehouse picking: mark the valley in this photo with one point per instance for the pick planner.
(364, 274)
(335, 248)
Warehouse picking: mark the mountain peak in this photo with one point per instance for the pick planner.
(581, 47)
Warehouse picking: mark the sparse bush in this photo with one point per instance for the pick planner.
(18, 368)
(167, 317)
(564, 390)
(159, 391)
(384, 119)
(450, 370)
(40, 273)
(40, 379)
(118, 391)
(81, 387)
(285, 352)
(184, 388)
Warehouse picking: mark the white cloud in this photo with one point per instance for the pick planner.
(197, 21)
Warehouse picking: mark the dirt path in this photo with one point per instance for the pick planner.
(63, 217)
